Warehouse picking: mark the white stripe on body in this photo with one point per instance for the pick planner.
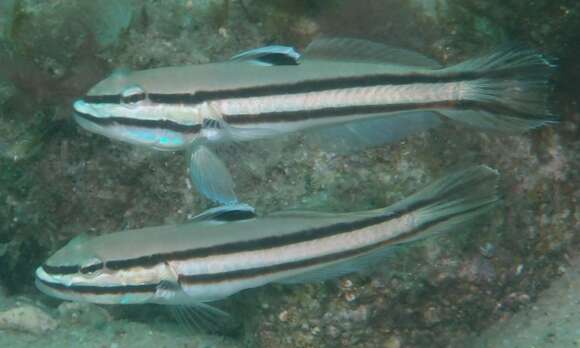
(274, 256)
(337, 98)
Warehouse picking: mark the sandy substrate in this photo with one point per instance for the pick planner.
(113, 334)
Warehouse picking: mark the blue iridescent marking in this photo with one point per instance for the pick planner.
(143, 135)
(175, 140)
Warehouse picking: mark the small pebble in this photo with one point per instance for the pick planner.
(283, 316)
(349, 296)
(346, 284)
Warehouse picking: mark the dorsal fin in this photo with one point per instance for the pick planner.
(227, 213)
(357, 50)
(270, 55)
(79, 239)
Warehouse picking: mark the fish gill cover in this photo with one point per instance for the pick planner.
(57, 180)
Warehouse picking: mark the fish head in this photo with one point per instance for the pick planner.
(66, 268)
(77, 273)
(121, 107)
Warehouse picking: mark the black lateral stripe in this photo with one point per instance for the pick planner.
(101, 290)
(308, 86)
(161, 124)
(266, 242)
(301, 115)
(336, 257)
(250, 245)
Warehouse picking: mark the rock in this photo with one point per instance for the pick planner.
(83, 313)
(27, 319)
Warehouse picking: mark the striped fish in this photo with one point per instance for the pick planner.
(212, 258)
(359, 92)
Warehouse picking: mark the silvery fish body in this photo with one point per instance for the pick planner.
(210, 259)
(356, 91)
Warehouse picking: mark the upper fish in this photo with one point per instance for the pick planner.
(354, 92)
(228, 249)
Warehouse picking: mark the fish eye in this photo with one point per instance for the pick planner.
(90, 269)
(132, 95)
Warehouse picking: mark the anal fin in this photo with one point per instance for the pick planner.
(358, 135)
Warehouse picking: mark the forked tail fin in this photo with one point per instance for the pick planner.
(449, 201)
(508, 91)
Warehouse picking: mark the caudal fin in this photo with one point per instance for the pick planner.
(508, 91)
(450, 201)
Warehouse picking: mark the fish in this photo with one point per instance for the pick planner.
(346, 93)
(229, 249)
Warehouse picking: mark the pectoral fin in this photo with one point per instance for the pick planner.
(202, 318)
(210, 176)
(196, 318)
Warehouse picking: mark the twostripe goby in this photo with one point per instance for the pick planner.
(208, 260)
(356, 90)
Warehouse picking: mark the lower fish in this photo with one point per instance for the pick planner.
(226, 250)
(350, 93)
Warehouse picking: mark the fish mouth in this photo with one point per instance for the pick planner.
(84, 115)
(83, 108)
(46, 284)
(91, 123)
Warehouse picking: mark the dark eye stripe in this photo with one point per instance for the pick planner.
(72, 269)
(60, 269)
(103, 99)
(91, 268)
(133, 98)
(163, 124)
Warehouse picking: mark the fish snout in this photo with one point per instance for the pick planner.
(83, 107)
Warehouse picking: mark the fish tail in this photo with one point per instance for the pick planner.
(509, 91)
(450, 201)
(444, 204)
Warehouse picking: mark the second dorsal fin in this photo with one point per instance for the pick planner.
(357, 50)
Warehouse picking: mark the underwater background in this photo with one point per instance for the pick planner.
(509, 280)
